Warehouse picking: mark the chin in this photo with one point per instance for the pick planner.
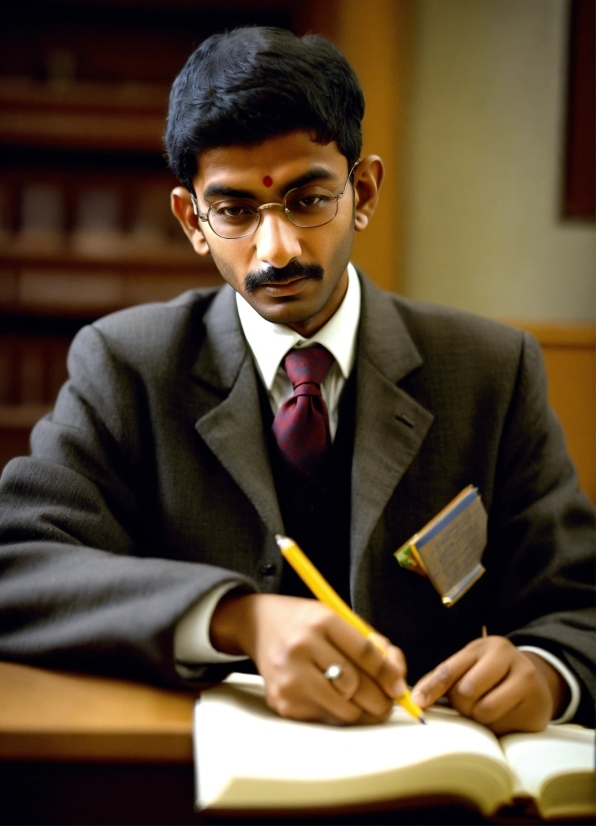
(285, 311)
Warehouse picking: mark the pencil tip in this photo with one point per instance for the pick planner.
(422, 720)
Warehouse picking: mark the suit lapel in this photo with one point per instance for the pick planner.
(232, 424)
(390, 424)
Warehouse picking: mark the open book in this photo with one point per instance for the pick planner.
(248, 758)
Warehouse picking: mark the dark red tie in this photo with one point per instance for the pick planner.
(301, 426)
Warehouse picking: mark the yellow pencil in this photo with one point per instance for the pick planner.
(325, 593)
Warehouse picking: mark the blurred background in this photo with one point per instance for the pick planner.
(483, 111)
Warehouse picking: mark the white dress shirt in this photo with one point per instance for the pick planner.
(269, 344)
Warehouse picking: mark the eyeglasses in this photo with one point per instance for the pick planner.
(305, 206)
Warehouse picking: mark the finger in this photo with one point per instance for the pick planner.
(335, 707)
(498, 703)
(492, 667)
(355, 685)
(384, 664)
(438, 682)
(523, 716)
(499, 675)
(310, 711)
(373, 701)
(306, 695)
(348, 682)
(521, 701)
(518, 718)
(394, 661)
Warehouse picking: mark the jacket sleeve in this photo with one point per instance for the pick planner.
(543, 533)
(76, 589)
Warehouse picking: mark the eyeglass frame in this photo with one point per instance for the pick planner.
(286, 211)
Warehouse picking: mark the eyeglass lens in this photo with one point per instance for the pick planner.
(305, 207)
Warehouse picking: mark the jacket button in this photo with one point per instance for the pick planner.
(268, 570)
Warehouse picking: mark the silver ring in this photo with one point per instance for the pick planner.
(333, 673)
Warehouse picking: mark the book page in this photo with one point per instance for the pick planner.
(556, 767)
(248, 757)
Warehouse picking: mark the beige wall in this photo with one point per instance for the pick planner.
(483, 163)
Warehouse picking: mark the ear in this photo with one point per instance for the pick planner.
(182, 207)
(368, 177)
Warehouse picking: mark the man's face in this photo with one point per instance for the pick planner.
(305, 296)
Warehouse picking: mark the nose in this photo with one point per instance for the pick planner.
(276, 239)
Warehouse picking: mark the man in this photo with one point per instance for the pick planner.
(139, 537)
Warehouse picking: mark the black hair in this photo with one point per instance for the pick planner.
(254, 83)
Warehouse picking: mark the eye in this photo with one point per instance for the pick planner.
(231, 211)
(310, 201)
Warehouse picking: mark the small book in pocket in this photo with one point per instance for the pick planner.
(449, 548)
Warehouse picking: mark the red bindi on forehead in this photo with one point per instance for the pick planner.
(267, 181)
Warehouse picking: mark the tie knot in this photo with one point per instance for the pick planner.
(307, 365)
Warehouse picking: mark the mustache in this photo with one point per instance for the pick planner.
(271, 275)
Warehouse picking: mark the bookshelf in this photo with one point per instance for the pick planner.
(85, 224)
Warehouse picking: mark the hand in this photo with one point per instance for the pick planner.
(494, 683)
(292, 641)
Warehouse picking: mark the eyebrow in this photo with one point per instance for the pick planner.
(317, 173)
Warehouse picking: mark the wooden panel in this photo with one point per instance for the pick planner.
(570, 357)
(383, 29)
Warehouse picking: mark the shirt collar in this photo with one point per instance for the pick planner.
(270, 342)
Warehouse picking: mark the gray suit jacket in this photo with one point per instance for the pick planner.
(150, 483)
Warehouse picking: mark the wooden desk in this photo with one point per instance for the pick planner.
(80, 749)
(47, 715)
(76, 749)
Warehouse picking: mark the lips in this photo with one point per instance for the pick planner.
(285, 282)
(288, 287)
